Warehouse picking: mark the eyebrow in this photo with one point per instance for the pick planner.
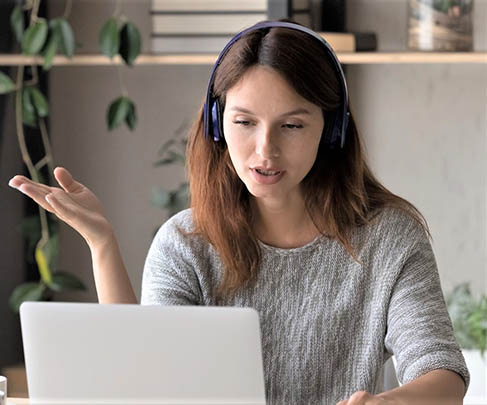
(293, 112)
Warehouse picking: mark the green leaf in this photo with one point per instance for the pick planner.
(52, 250)
(66, 36)
(469, 318)
(6, 84)
(50, 49)
(29, 116)
(130, 43)
(179, 199)
(163, 162)
(109, 40)
(166, 145)
(160, 197)
(26, 292)
(66, 281)
(172, 157)
(131, 118)
(40, 102)
(117, 112)
(176, 156)
(30, 228)
(27, 99)
(17, 22)
(34, 37)
(43, 266)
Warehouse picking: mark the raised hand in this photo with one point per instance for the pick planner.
(73, 203)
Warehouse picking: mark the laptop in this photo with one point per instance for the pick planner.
(84, 353)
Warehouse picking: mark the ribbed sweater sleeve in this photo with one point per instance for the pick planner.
(420, 332)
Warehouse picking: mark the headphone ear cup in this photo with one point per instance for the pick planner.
(217, 121)
(332, 129)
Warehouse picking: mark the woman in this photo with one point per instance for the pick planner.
(340, 269)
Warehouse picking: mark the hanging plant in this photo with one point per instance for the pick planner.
(45, 38)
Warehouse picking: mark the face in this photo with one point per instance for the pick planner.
(272, 134)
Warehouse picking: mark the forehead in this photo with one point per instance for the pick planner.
(263, 84)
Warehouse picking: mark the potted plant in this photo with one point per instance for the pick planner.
(469, 318)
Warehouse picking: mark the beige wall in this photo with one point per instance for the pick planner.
(424, 128)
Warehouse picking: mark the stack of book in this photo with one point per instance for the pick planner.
(196, 26)
(206, 26)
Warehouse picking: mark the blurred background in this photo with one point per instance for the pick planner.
(424, 128)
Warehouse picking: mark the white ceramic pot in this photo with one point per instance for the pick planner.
(477, 366)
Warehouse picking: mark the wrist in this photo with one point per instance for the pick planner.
(104, 240)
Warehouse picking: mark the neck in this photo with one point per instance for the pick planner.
(283, 223)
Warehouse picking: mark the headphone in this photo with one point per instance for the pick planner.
(212, 113)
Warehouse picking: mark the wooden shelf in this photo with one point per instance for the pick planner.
(209, 59)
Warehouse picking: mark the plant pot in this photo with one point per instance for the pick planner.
(477, 366)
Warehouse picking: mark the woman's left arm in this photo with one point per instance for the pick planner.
(443, 387)
(436, 387)
(420, 334)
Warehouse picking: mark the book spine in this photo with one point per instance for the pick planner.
(190, 23)
(189, 44)
(208, 5)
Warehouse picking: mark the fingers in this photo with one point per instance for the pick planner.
(62, 176)
(37, 193)
(66, 181)
(19, 180)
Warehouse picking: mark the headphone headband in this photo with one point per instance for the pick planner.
(211, 108)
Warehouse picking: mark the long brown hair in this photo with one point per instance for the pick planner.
(340, 189)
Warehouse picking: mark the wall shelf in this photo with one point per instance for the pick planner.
(209, 59)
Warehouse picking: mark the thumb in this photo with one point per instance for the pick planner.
(65, 180)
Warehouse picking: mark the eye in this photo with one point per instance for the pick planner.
(244, 123)
(292, 126)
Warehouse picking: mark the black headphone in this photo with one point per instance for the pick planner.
(212, 113)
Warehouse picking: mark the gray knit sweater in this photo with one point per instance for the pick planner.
(328, 324)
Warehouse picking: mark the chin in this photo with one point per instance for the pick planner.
(264, 191)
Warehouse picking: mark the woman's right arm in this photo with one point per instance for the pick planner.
(77, 206)
(111, 279)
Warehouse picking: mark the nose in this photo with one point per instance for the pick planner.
(266, 144)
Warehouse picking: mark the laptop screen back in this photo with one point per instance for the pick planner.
(119, 353)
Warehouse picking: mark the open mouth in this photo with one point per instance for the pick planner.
(267, 173)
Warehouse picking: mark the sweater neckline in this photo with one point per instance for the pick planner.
(287, 251)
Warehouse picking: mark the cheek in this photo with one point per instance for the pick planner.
(238, 152)
(304, 152)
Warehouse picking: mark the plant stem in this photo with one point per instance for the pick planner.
(35, 76)
(67, 9)
(125, 93)
(21, 136)
(28, 5)
(35, 10)
(25, 154)
(118, 8)
(31, 82)
(48, 158)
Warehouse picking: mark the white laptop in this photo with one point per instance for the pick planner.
(80, 353)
